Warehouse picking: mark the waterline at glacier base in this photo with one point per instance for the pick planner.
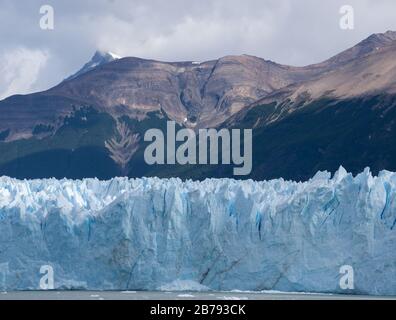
(166, 234)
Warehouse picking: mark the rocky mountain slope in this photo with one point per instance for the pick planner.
(310, 118)
(345, 116)
(204, 94)
(368, 69)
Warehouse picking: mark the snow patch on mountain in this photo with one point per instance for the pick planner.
(150, 233)
(98, 59)
(114, 56)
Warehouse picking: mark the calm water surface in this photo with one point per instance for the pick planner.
(147, 295)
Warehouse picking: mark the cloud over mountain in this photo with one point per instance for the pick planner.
(289, 32)
(20, 68)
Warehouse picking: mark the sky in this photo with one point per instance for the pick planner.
(293, 32)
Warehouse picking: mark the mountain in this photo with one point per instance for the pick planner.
(304, 119)
(345, 116)
(371, 72)
(98, 59)
(204, 94)
(372, 44)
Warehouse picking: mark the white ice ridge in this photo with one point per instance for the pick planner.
(145, 234)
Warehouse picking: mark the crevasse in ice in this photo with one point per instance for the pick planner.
(150, 233)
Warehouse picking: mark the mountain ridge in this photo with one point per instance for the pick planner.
(304, 119)
(98, 59)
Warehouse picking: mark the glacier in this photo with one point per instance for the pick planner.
(216, 234)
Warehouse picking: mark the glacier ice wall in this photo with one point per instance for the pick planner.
(221, 234)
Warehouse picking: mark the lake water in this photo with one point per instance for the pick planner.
(147, 295)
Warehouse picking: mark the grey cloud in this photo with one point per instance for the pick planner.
(286, 31)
